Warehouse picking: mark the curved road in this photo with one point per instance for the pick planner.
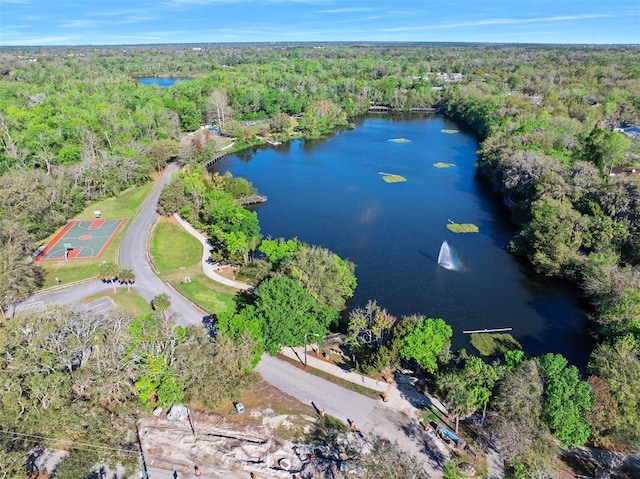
(371, 417)
(133, 255)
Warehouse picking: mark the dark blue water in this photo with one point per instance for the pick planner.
(330, 193)
(164, 82)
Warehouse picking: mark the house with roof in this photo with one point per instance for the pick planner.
(632, 131)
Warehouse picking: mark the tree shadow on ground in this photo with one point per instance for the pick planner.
(407, 386)
(424, 441)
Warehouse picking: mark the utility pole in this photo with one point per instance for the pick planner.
(305, 346)
(143, 465)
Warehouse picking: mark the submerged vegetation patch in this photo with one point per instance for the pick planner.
(400, 140)
(463, 228)
(494, 344)
(450, 132)
(440, 164)
(393, 178)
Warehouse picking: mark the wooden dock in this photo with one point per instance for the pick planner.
(424, 110)
(379, 109)
(388, 109)
(214, 159)
(252, 200)
(495, 330)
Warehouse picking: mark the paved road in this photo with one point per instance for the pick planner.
(370, 416)
(132, 256)
(335, 400)
(393, 421)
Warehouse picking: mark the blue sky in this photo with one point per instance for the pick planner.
(100, 22)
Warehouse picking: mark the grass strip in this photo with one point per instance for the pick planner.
(122, 206)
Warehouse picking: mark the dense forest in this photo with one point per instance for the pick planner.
(76, 126)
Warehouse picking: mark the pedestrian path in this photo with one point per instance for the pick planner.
(297, 354)
(208, 268)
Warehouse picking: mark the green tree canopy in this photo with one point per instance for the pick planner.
(618, 366)
(606, 149)
(214, 370)
(286, 312)
(63, 377)
(151, 348)
(567, 400)
(553, 236)
(234, 230)
(163, 150)
(427, 342)
(479, 379)
(517, 427)
(108, 272)
(238, 325)
(459, 400)
(161, 303)
(277, 250)
(325, 275)
(127, 276)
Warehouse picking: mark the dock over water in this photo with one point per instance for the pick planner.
(388, 109)
(252, 200)
(214, 159)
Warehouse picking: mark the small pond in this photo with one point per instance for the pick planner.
(163, 82)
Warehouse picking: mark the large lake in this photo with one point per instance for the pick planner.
(331, 193)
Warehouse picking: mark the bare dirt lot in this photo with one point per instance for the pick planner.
(231, 445)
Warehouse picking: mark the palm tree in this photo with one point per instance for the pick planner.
(108, 271)
(161, 302)
(460, 404)
(458, 399)
(128, 277)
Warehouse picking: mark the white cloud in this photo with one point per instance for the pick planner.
(498, 21)
(49, 40)
(82, 23)
(347, 10)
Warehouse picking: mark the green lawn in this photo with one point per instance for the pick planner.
(123, 206)
(171, 247)
(178, 256)
(206, 293)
